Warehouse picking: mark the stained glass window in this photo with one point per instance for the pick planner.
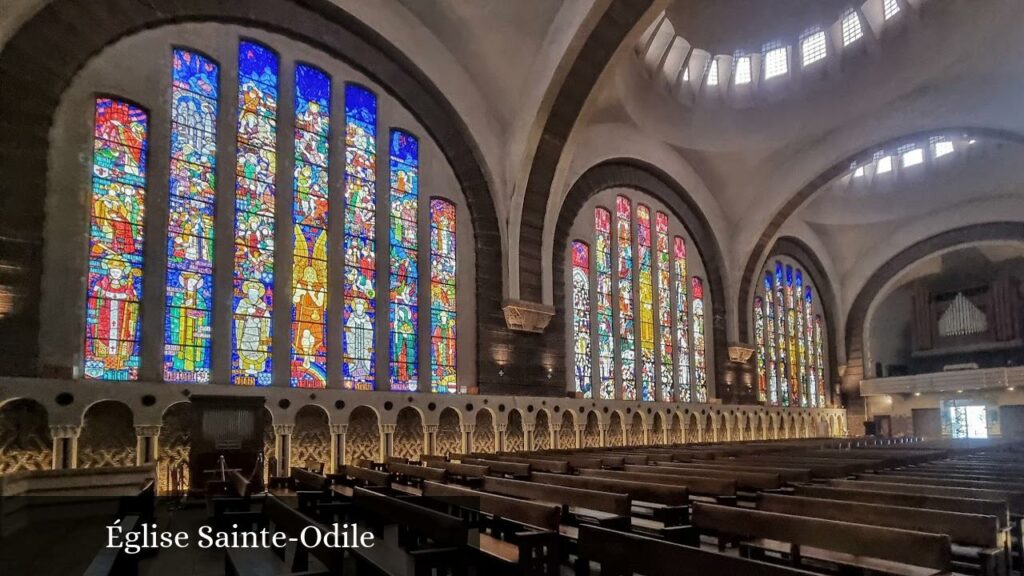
(404, 296)
(761, 356)
(646, 286)
(254, 214)
(812, 370)
(309, 221)
(770, 338)
(820, 364)
(581, 317)
(603, 281)
(791, 352)
(801, 340)
(664, 308)
(190, 230)
(116, 236)
(626, 338)
(442, 296)
(700, 373)
(682, 322)
(780, 334)
(360, 244)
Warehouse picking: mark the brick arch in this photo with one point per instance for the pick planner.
(70, 32)
(647, 179)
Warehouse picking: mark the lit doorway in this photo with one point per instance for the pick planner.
(968, 421)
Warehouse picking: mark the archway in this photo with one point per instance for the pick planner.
(693, 430)
(541, 431)
(514, 441)
(636, 430)
(449, 433)
(710, 429)
(409, 434)
(567, 435)
(592, 431)
(362, 441)
(25, 442)
(657, 430)
(311, 439)
(748, 428)
(615, 436)
(483, 433)
(675, 433)
(108, 436)
(175, 445)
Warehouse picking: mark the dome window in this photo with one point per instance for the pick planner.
(890, 8)
(813, 48)
(775, 61)
(742, 70)
(852, 30)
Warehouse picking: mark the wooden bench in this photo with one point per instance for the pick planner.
(540, 465)
(1015, 500)
(748, 481)
(515, 535)
(786, 474)
(433, 460)
(115, 561)
(622, 554)
(578, 505)
(939, 481)
(723, 491)
(468, 474)
(926, 501)
(293, 558)
(415, 475)
(352, 476)
(667, 504)
(977, 539)
(880, 549)
(513, 470)
(234, 493)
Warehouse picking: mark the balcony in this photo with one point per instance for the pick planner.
(952, 381)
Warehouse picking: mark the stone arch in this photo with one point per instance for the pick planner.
(449, 432)
(693, 429)
(592, 431)
(514, 434)
(409, 434)
(25, 441)
(311, 438)
(542, 431)
(362, 438)
(484, 436)
(748, 428)
(710, 428)
(108, 436)
(616, 433)
(657, 429)
(675, 433)
(567, 435)
(635, 435)
(794, 427)
(175, 446)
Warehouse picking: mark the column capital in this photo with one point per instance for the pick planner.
(339, 428)
(501, 427)
(529, 426)
(284, 429)
(580, 427)
(556, 428)
(468, 427)
(431, 428)
(65, 430)
(388, 428)
(148, 430)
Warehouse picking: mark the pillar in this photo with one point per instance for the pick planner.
(283, 448)
(555, 431)
(430, 439)
(387, 441)
(579, 435)
(528, 429)
(603, 435)
(500, 428)
(467, 438)
(338, 432)
(146, 444)
(65, 445)
(666, 431)
(647, 435)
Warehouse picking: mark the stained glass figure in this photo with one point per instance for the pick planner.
(582, 359)
(771, 339)
(190, 231)
(791, 334)
(801, 340)
(780, 334)
(442, 297)
(682, 321)
(404, 297)
(646, 300)
(762, 361)
(627, 350)
(360, 245)
(667, 379)
(309, 228)
(605, 309)
(255, 173)
(700, 373)
(116, 236)
(812, 369)
(819, 346)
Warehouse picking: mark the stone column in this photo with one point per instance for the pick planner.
(338, 432)
(65, 445)
(500, 428)
(146, 444)
(647, 435)
(387, 441)
(665, 432)
(556, 430)
(283, 448)
(430, 439)
(467, 438)
(579, 435)
(603, 435)
(528, 429)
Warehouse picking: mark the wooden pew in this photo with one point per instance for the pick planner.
(540, 465)
(886, 550)
(749, 481)
(433, 460)
(578, 505)
(666, 503)
(468, 474)
(929, 502)
(722, 490)
(1014, 499)
(233, 493)
(279, 517)
(513, 470)
(939, 481)
(786, 474)
(415, 475)
(115, 561)
(982, 543)
(351, 476)
(516, 535)
(622, 554)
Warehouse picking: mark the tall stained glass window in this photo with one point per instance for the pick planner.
(682, 322)
(624, 216)
(116, 235)
(700, 370)
(664, 308)
(360, 244)
(254, 214)
(646, 286)
(786, 332)
(581, 317)
(442, 296)
(404, 296)
(190, 231)
(309, 221)
(603, 281)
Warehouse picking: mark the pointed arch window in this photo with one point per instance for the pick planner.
(605, 326)
(581, 317)
(443, 296)
(627, 350)
(404, 276)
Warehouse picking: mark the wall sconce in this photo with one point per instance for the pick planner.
(501, 372)
(549, 373)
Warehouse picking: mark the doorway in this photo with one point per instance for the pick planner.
(969, 421)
